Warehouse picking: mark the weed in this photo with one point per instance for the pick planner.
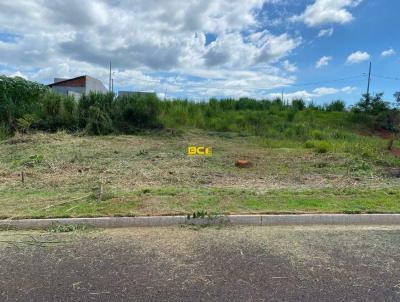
(4, 132)
(29, 162)
(318, 146)
(197, 215)
(67, 228)
(142, 153)
(318, 135)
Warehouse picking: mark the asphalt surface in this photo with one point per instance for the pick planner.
(202, 264)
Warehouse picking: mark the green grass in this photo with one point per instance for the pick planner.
(173, 201)
(75, 176)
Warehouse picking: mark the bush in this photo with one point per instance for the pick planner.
(298, 104)
(338, 106)
(18, 98)
(58, 112)
(137, 111)
(373, 105)
(4, 132)
(318, 135)
(25, 122)
(94, 104)
(98, 122)
(318, 146)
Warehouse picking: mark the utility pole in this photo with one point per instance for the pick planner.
(112, 85)
(109, 80)
(283, 102)
(369, 78)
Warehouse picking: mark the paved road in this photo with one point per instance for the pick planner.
(208, 264)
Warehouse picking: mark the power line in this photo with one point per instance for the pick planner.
(199, 85)
(290, 85)
(386, 77)
(304, 84)
(329, 81)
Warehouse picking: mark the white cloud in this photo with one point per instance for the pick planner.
(289, 66)
(309, 95)
(16, 74)
(327, 12)
(323, 61)
(348, 89)
(357, 57)
(143, 37)
(324, 91)
(388, 53)
(326, 32)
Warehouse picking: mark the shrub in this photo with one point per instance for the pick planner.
(322, 147)
(4, 132)
(337, 105)
(58, 112)
(86, 111)
(24, 123)
(318, 146)
(371, 104)
(298, 104)
(18, 97)
(318, 135)
(98, 122)
(137, 111)
(291, 115)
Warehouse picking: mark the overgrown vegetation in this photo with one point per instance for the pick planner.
(302, 153)
(26, 105)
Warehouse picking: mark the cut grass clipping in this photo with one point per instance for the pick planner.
(63, 175)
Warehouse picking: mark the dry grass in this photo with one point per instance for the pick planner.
(62, 169)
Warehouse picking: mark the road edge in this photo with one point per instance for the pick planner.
(256, 220)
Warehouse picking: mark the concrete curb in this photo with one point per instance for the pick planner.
(260, 220)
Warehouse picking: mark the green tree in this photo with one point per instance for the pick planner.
(338, 106)
(397, 98)
(372, 104)
(298, 104)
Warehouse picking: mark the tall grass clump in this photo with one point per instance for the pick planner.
(57, 112)
(94, 113)
(136, 112)
(19, 99)
(4, 132)
(337, 106)
(319, 146)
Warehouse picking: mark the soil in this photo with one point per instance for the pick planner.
(395, 151)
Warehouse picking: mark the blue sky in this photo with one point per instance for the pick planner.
(315, 49)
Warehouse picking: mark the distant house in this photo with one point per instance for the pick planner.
(78, 86)
(138, 93)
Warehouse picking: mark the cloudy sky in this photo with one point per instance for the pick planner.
(315, 49)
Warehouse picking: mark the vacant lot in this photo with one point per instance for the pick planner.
(184, 264)
(69, 175)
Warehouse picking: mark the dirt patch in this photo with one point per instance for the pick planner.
(393, 172)
(18, 140)
(385, 134)
(395, 152)
(382, 133)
